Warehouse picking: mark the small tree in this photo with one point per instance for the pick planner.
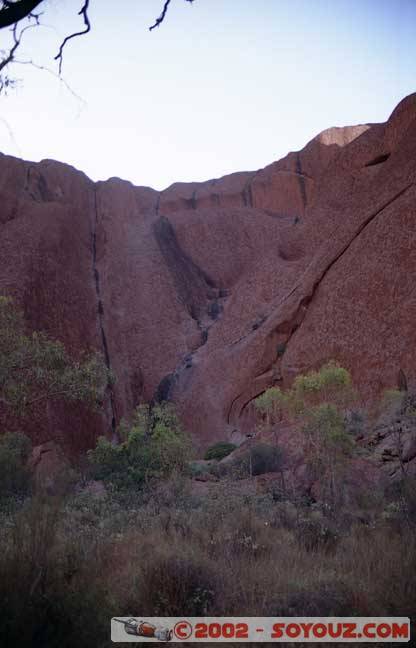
(327, 447)
(317, 400)
(36, 369)
(272, 404)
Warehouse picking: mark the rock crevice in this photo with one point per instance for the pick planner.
(100, 315)
(283, 331)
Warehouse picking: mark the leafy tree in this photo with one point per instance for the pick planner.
(317, 400)
(154, 446)
(35, 369)
(327, 447)
(272, 405)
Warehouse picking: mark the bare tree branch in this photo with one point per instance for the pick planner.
(9, 56)
(163, 14)
(161, 17)
(84, 13)
(12, 139)
(44, 68)
(12, 12)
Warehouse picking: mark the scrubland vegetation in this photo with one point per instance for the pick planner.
(149, 542)
(69, 564)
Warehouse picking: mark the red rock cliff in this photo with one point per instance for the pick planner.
(208, 293)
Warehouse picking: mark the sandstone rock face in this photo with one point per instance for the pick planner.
(208, 293)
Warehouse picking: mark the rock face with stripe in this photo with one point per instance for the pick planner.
(208, 293)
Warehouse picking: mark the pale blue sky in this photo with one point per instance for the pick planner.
(221, 86)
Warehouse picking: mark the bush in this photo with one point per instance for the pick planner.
(34, 368)
(50, 588)
(15, 449)
(259, 459)
(154, 447)
(331, 384)
(67, 567)
(219, 450)
(177, 585)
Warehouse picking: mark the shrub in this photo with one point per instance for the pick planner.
(219, 450)
(177, 585)
(317, 400)
(332, 383)
(50, 588)
(154, 447)
(64, 572)
(15, 449)
(401, 500)
(34, 368)
(259, 459)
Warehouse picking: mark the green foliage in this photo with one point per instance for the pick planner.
(154, 446)
(326, 434)
(317, 400)
(327, 448)
(272, 403)
(15, 449)
(34, 368)
(219, 450)
(332, 383)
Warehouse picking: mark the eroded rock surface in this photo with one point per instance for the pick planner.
(208, 293)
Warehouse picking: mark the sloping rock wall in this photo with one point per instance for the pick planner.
(208, 293)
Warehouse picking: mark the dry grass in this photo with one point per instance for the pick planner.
(67, 567)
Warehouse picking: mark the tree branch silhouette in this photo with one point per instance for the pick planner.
(162, 16)
(12, 12)
(9, 56)
(83, 12)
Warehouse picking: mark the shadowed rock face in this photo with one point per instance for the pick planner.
(208, 293)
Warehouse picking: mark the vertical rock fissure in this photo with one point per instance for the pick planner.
(300, 175)
(157, 205)
(100, 311)
(247, 193)
(202, 298)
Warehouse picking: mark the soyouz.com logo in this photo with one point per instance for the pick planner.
(261, 629)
